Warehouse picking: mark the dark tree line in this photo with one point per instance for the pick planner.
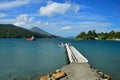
(92, 35)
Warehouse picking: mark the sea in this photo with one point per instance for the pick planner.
(28, 60)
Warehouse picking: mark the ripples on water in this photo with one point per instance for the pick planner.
(28, 60)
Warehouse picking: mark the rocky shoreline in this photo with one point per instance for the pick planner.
(77, 71)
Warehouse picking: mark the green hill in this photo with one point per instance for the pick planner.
(12, 31)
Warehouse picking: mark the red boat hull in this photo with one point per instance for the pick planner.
(30, 39)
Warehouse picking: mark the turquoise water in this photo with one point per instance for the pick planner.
(28, 60)
(103, 55)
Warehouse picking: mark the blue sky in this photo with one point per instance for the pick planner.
(62, 17)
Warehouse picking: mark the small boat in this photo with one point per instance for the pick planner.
(61, 44)
(117, 39)
(30, 39)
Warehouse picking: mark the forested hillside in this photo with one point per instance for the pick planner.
(92, 35)
(12, 31)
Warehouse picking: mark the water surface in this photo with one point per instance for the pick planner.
(23, 59)
(27, 60)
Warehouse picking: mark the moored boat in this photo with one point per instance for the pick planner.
(61, 44)
(30, 39)
(117, 39)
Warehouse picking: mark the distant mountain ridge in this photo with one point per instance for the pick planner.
(12, 31)
(36, 29)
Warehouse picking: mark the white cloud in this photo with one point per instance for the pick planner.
(21, 24)
(66, 28)
(12, 4)
(2, 15)
(24, 20)
(54, 8)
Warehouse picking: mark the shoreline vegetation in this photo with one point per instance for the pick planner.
(92, 35)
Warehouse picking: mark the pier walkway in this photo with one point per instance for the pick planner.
(79, 68)
(74, 55)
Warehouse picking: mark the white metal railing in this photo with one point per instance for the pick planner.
(74, 55)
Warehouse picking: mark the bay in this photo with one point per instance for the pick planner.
(28, 60)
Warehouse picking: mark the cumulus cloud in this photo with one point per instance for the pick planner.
(12, 4)
(2, 15)
(54, 8)
(23, 20)
(26, 21)
(21, 24)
